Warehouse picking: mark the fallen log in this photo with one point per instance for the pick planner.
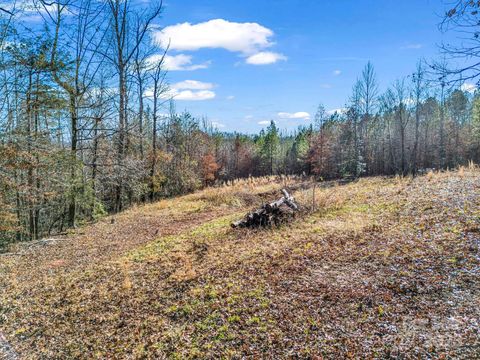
(269, 214)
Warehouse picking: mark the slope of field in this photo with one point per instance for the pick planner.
(383, 267)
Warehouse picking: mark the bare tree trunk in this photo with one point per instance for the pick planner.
(30, 180)
(140, 114)
(154, 141)
(126, 47)
(418, 89)
(37, 157)
(442, 128)
(402, 139)
(121, 134)
(73, 150)
(417, 135)
(94, 162)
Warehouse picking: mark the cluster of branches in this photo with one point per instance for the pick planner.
(87, 128)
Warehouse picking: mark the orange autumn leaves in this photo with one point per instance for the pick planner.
(209, 168)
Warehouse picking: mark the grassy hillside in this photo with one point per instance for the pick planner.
(383, 267)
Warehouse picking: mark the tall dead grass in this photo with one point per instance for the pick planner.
(317, 198)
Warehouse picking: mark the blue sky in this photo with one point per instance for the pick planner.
(244, 63)
(320, 48)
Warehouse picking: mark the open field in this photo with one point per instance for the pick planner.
(385, 267)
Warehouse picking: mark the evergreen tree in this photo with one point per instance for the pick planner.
(270, 147)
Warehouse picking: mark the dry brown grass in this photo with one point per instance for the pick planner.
(384, 267)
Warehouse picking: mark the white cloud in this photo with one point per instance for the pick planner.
(248, 117)
(337, 72)
(192, 85)
(29, 11)
(148, 93)
(468, 87)
(10, 44)
(409, 101)
(191, 90)
(187, 90)
(218, 125)
(246, 38)
(190, 95)
(264, 122)
(180, 62)
(339, 111)
(325, 86)
(265, 58)
(298, 115)
(249, 39)
(230, 97)
(8, 6)
(411, 46)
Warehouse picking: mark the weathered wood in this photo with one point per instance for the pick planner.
(268, 214)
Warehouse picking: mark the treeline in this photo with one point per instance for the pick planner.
(421, 122)
(86, 127)
(416, 124)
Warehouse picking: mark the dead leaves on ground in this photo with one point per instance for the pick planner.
(383, 267)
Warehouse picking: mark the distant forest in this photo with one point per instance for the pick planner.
(86, 128)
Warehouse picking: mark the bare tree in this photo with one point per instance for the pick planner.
(368, 93)
(6, 11)
(159, 88)
(125, 45)
(75, 73)
(418, 92)
(354, 113)
(403, 118)
(462, 17)
(387, 113)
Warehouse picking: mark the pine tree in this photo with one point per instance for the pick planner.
(270, 147)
